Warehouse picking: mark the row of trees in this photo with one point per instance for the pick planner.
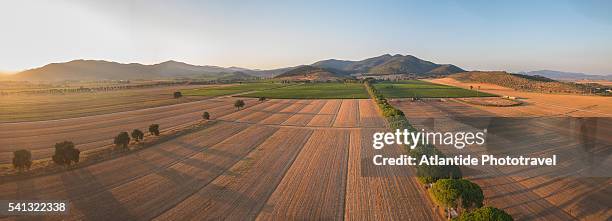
(66, 154)
(123, 138)
(447, 186)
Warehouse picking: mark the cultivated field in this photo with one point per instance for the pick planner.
(423, 89)
(542, 104)
(278, 159)
(220, 90)
(525, 197)
(34, 107)
(94, 132)
(315, 91)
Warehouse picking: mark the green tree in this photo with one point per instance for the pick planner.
(455, 193)
(22, 159)
(122, 139)
(485, 214)
(262, 99)
(206, 115)
(137, 135)
(66, 153)
(239, 104)
(471, 195)
(431, 173)
(446, 192)
(154, 129)
(178, 94)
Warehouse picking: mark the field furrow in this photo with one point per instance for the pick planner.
(530, 197)
(313, 107)
(348, 115)
(382, 192)
(369, 115)
(241, 192)
(314, 187)
(91, 136)
(81, 183)
(257, 116)
(150, 195)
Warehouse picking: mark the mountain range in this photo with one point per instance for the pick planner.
(390, 64)
(92, 70)
(560, 75)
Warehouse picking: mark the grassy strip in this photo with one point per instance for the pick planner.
(314, 91)
(231, 89)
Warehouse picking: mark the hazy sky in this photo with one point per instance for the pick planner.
(484, 35)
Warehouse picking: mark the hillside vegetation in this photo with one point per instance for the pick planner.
(520, 82)
(390, 64)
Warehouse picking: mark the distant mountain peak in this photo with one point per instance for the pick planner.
(390, 64)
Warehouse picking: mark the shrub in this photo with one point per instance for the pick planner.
(389, 111)
(154, 129)
(137, 135)
(399, 122)
(455, 192)
(65, 153)
(471, 195)
(22, 159)
(262, 99)
(122, 139)
(178, 94)
(432, 173)
(239, 104)
(485, 214)
(206, 116)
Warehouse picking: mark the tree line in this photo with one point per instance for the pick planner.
(66, 154)
(445, 181)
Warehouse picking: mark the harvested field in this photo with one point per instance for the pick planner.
(348, 114)
(541, 104)
(257, 116)
(532, 197)
(79, 185)
(314, 186)
(369, 115)
(326, 116)
(313, 107)
(490, 101)
(93, 132)
(241, 192)
(299, 119)
(36, 107)
(321, 121)
(375, 195)
(241, 168)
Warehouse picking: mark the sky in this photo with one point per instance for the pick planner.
(513, 36)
